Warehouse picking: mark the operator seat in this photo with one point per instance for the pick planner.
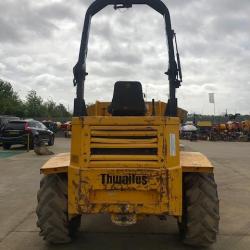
(127, 99)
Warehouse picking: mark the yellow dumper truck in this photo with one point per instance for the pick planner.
(125, 158)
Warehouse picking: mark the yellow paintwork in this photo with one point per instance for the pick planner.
(101, 109)
(195, 162)
(162, 193)
(123, 165)
(189, 161)
(57, 164)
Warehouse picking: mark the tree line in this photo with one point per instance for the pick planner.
(32, 106)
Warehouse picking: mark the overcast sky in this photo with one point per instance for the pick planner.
(39, 44)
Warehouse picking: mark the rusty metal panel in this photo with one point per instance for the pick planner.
(73, 190)
(139, 209)
(108, 189)
(101, 143)
(119, 179)
(160, 195)
(175, 191)
(124, 197)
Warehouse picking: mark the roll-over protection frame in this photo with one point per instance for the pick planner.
(174, 69)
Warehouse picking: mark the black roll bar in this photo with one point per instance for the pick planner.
(79, 69)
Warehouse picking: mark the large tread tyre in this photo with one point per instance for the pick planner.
(52, 210)
(200, 221)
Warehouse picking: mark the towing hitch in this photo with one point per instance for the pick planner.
(124, 219)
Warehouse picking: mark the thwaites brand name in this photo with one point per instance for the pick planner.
(124, 179)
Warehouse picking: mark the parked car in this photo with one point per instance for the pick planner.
(26, 132)
(65, 125)
(52, 126)
(4, 119)
(67, 131)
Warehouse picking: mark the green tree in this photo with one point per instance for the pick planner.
(10, 103)
(51, 108)
(62, 111)
(34, 105)
(54, 110)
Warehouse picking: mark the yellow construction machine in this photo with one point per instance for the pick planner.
(125, 158)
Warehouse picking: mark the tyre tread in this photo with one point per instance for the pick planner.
(200, 223)
(52, 210)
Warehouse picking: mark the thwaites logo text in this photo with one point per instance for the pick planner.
(124, 179)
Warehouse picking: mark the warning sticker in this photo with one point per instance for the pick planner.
(172, 144)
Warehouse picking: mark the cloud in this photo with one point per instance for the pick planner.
(39, 45)
(23, 20)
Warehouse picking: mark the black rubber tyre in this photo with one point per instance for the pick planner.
(200, 221)
(32, 141)
(51, 141)
(52, 210)
(31, 146)
(6, 146)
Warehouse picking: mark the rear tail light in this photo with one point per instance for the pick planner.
(27, 128)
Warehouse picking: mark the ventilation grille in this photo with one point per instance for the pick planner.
(128, 143)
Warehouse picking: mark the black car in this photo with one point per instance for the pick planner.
(4, 119)
(26, 132)
(50, 125)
